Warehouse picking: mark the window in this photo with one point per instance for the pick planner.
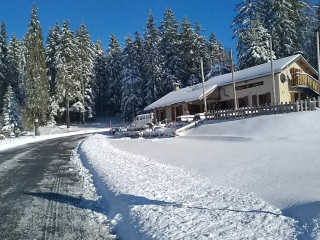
(265, 99)
(254, 100)
(243, 102)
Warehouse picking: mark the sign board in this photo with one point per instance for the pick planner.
(251, 85)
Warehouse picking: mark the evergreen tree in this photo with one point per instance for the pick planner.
(255, 46)
(15, 71)
(36, 85)
(11, 115)
(219, 59)
(310, 42)
(53, 44)
(169, 50)
(100, 86)
(68, 87)
(200, 51)
(188, 61)
(140, 71)
(280, 21)
(248, 13)
(4, 78)
(114, 71)
(152, 61)
(131, 80)
(85, 55)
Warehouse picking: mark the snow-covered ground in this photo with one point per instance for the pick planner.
(54, 132)
(255, 178)
(252, 178)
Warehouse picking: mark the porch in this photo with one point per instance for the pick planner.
(304, 82)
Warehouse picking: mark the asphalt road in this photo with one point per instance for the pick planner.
(43, 195)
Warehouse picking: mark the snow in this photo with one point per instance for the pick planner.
(159, 201)
(253, 178)
(53, 132)
(187, 94)
(220, 180)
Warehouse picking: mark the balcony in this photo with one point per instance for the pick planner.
(304, 81)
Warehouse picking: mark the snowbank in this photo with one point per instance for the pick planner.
(150, 200)
(275, 157)
(49, 133)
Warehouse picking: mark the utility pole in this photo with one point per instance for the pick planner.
(272, 72)
(233, 82)
(318, 58)
(203, 88)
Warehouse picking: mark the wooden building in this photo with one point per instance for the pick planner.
(295, 79)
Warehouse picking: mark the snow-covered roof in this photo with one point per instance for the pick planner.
(187, 94)
(192, 93)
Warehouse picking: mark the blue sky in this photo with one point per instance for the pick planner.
(119, 17)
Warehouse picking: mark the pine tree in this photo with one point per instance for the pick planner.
(200, 51)
(169, 50)
(14, 67)
(85, 56)
(255, 46)
(36, 85)
(100, 85)
(53, 44)
(4, 78)
(131, 80)
(219, 59)
(187, 38)
(310, 47)
(279, 18)
(248, 13)
(11, 115)
(152, 61)
(140, 71)
(68, 88)
(114, 71)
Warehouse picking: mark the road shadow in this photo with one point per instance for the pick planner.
(306, 214)
(95, 205)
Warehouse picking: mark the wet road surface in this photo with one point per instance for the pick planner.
(43, 194)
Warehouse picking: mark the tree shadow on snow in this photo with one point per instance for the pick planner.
(78, 202)
(306, 214)
(95, 205)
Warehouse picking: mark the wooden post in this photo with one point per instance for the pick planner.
(297, 106)
(306, 104)
(301, 105)
(314, 103)
(309, 104)
(290, 106)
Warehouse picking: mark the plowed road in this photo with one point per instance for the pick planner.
(44, 196)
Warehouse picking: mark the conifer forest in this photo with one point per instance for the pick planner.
(44, 77)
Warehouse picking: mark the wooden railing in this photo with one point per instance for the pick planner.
(304, 79)
(245, 112)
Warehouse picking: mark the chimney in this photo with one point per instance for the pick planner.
(176, 86)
